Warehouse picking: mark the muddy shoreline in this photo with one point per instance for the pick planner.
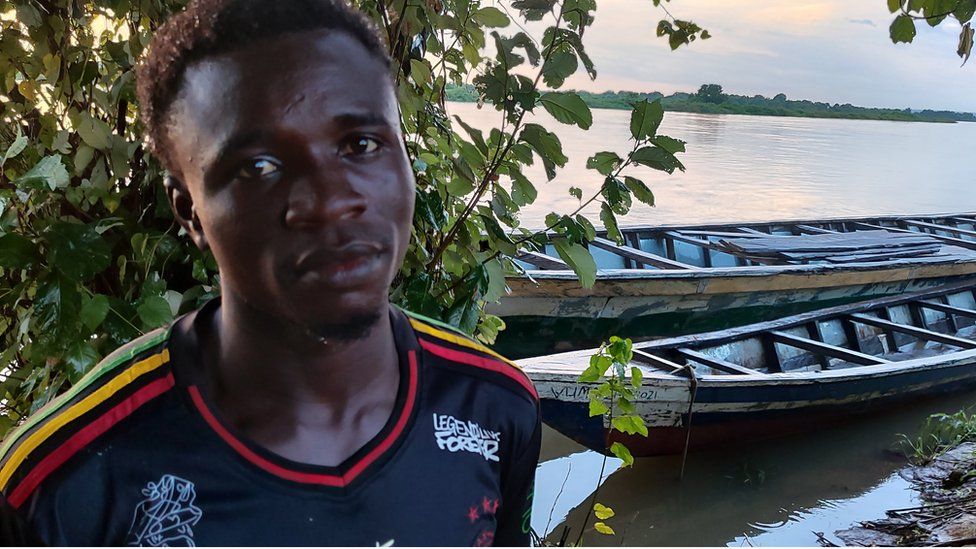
(947, 515)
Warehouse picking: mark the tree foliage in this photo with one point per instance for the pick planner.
(91, 257)
(710, 93)
(933, 12)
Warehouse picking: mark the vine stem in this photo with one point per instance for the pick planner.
(497, 158)
(603, 466)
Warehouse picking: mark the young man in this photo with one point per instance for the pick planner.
(300, 408)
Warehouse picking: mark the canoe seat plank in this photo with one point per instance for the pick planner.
(813, 230)
(951, 309)
(936, 226)
(902, 253)
(543, 261)
(914, 331)
(656, 361)
(827, 349)
(639, 255)
(957, 241)
(717, 364)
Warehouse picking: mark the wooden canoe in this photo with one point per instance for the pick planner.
(778, 377)
(671, 280)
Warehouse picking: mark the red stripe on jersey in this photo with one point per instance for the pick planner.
(85, 436)
(481, 362)
(315, 478)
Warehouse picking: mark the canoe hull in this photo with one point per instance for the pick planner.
(539, 325)
(726, 413)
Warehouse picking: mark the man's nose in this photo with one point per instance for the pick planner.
(325, 196)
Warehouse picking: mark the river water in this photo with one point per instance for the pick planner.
(751, 168)
(760, 168)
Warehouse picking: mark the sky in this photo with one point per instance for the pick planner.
(837, 51)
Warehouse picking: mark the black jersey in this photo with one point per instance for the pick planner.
(133, 454)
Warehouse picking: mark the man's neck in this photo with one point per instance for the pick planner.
(257, 352)
(310, 401)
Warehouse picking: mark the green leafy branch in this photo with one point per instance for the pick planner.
(933, 12)
(614, 399)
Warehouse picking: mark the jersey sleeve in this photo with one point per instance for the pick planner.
(514, 526)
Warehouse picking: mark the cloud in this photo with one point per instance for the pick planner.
(826, 50)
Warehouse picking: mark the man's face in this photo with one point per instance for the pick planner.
(292, 156)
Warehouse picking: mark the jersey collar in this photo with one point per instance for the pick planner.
(185, 353)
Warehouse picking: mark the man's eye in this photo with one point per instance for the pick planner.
(259, 167)
(361, 145)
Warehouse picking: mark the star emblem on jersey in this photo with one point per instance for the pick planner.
(455, 435)
(166, 517)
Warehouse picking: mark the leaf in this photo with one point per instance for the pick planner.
(965, 10)
(496, 281)
(57, 304)
(604, 162)
(639, 425)
(656, 158)
(579, 259)
(523, 191)
(623, 424)
(624, 454)
(16, 251)
(94, 311)
(589, 232)
(154, 311)
(546, 145)
(965, 48)
(589, 375)
(668, 143)
(491, 17)
(610, 223)
(567, 108)
(602, 512)
(94, 132)
(560, 66)
(49, 171)
(15, 148)
(78, 250)
(419, 71)
(603, 529)
(598, 408)
(640, 190)
(902, 29)
(636, 376)
(645, 119)
(80, 357)
(894, 5)
(576, 193)
(476, 136)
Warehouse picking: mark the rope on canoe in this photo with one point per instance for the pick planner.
(693, 382)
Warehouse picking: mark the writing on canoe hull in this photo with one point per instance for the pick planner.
(574, 392)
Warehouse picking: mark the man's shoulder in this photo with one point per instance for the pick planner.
(122, 382)
(457, 351)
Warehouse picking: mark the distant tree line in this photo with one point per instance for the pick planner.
(710, 99)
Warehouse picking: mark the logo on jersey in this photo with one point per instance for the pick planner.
(166, 517)
(455, 435)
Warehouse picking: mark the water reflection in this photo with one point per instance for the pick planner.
(776, 493)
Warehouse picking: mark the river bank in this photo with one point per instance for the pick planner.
(947, 516)
(756, 105)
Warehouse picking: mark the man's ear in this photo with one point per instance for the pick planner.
(186, 215)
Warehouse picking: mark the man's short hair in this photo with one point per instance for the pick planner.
(211, 27)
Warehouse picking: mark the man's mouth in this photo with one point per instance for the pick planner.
(350, 265)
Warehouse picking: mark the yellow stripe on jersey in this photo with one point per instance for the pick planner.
(456, 339)
(73, 412)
